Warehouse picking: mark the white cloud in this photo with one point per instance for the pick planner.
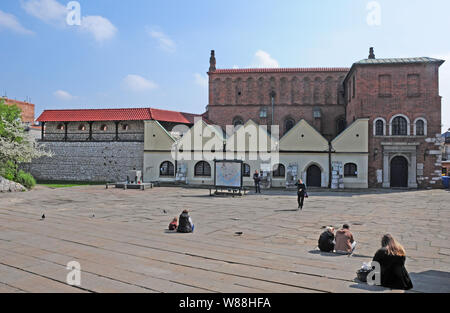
(63, 95)
(263, 59)
(164, 40)
(9, 21)
(49, 11)
(444, 89)
(201, 80)
(138, 83)
(101, 28)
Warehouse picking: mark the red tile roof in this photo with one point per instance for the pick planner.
(132, 114)
(281, 70)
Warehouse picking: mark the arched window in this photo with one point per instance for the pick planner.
(237, 121)
(279, 171)
(167, 169)
(82, 127)
(104, 128)
(350, 170)
(246, 170)
(341, 125)
(379, 128)
(399, 126)
(60, 127)
(420, 127)
(288, 125)
(203, 169)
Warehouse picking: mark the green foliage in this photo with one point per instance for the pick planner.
(9, 113)
(25, 179)
(8, 170)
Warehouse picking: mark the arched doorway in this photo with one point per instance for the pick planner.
(399, 172)
(314, 176)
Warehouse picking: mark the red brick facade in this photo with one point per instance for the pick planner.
(385, 90)
(374, 89)
(243, 94)
(27, 109)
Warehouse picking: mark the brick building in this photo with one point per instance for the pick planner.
(400, 97)
(26, 107)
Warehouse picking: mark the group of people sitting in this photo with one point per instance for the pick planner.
(391, 256)
(182, 225)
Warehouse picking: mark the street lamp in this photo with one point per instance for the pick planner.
(272, 96)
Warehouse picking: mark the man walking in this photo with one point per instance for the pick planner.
(257, 180)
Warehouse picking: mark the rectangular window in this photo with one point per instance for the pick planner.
(384, 86)
(413, 85)
(354, 86)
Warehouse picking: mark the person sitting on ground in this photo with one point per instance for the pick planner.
(326, 240)
(185, 223)
(392, 257)
(345, 243)
(174, 224)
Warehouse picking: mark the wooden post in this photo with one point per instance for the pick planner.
(42, 130)
(66, 124)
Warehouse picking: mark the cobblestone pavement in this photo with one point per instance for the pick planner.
(125, 247)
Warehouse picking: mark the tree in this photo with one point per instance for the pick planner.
(16, 144)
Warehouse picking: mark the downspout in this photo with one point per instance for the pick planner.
(329, 164)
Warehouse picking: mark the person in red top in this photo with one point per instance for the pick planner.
(174, 224)
(344, 240)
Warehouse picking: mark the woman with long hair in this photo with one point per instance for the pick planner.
(392, 257)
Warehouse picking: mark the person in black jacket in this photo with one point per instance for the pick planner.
(185, 224)
(257, 179)
(391, 258)
(326, 240)
(301, 193)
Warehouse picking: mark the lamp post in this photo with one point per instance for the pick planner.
(272, 96)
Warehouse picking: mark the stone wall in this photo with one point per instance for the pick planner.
(88, 161)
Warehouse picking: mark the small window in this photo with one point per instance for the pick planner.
(125, 127)
(167, 169)
(399, 126)
(104, 128)
(288, 125)
(341, 125)
(246, 170)
(279, 171)
(263, 113)
(350, 170)
(420, 128)
(60, 127)
(379, 128)
(202, 169)
(237, 121)
(82, 127)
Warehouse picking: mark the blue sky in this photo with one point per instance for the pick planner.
(156, 53)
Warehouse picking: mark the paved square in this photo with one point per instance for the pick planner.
(126, 248)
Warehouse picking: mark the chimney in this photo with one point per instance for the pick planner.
(212, 62)
(371, 54)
